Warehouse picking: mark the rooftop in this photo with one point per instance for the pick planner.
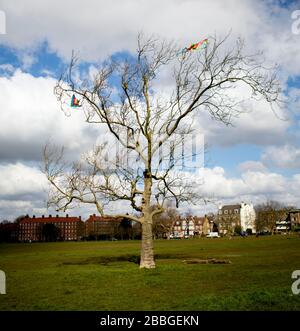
(231, 207)
(49, 219)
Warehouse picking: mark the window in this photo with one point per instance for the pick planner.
(225, 211)
(236, 211)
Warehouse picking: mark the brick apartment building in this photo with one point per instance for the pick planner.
(9, 232)
(110, 227)
(102, 226)
(68, 228)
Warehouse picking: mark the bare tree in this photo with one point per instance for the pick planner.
(163, 223)
(124, 97)
(268, 214)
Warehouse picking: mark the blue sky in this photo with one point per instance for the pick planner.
(40, 38)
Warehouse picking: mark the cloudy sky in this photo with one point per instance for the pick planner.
(256, 159)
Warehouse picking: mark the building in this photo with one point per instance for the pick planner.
(202, 226)
(238, 215)
(277, 220)
(288, 220)
(101, 227)
(63, 228)
(294, 218)
(283, 223)
(9, 232)
(185, 227)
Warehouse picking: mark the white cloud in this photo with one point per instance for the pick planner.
(23, 190)
(251, 166)
(286, 156)
(257, 123)
(264, 183)
(30, 116)
(19, 179)
(294, 100)
(27, 59)
(254, 186)
(104, 27)
(6, 68)
(218, 185)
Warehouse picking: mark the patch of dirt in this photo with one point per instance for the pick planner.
(206, 261)
(104, 260)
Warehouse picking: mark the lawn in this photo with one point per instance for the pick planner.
(105, 276)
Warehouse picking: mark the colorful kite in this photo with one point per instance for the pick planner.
(75, 102)
(203, 43)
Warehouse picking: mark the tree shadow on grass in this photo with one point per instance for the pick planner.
(106, 260)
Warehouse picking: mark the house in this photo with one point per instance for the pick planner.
(190, 226)
(294, 218)
(66, 228)
(231, 216)
(290, 219)
(283, 223)
(202, 226)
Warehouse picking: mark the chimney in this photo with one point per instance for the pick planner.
(79, 218)
(50, 216)
(33, 216)
(67, 215)
(94, 215)
(56, 216)
(43, 216)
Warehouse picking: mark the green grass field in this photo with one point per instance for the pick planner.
(104, 275)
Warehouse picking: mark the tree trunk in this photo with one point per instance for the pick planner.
(147, 256)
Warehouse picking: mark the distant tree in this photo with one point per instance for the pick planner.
(268, 214)
(238, 229)
(19, 218)
(50, 232)
(136, 230)
(113, 230)
(81, 230)
(163, 223)
(9, 232)
(4, 231)
(125, 229)
(249, 232)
